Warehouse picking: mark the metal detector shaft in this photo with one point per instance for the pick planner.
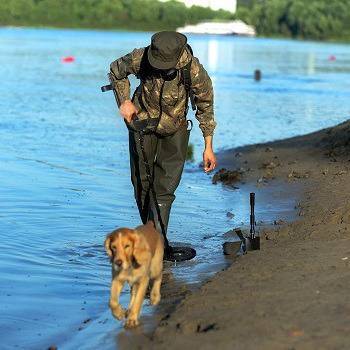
(179, 253)
(154, 195)
(142, 126)
(170, 253)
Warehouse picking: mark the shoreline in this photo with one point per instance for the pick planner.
(293, 293)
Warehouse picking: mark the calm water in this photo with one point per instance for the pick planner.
(64, 166)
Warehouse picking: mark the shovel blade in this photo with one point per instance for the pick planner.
(234, 248)
(242, 245)
(252, 243)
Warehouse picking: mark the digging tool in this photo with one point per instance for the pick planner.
(245, 243)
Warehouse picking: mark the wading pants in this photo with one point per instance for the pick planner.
(166, 156)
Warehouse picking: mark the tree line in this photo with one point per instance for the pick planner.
(118, 14)
(306, 19)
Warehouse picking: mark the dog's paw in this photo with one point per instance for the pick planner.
(131, 322)
(118, 312)
(155, 298)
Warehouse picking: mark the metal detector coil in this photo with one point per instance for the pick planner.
(177, 254)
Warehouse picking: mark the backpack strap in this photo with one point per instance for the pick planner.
(143, 73)
(186, 70)
(189, 48)
(145, 68)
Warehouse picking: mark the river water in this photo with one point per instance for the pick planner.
(65, 177)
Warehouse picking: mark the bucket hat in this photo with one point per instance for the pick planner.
(165, 49)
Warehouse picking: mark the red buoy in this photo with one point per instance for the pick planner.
(332, 58)
(68, 59)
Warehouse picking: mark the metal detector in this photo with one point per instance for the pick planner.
(175, 253)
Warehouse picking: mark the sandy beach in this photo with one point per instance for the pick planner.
(294, 292)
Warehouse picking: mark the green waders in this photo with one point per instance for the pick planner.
(166, 156)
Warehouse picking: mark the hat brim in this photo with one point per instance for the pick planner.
(158, 64)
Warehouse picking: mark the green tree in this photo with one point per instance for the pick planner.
(310, 19)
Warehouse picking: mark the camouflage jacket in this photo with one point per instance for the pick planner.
(165, 99)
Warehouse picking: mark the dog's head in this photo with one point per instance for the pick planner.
(125, 248)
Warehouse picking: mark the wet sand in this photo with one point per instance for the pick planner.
(294, 292)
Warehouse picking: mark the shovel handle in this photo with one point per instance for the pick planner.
(252, 214)
(252, 202)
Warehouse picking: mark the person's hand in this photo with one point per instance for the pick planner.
(209, 160)
(128, 110)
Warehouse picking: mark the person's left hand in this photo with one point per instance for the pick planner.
(209, 160)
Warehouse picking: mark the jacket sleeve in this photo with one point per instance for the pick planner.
(121, 68)
(204, 97)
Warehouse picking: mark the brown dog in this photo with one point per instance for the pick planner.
(136, 257)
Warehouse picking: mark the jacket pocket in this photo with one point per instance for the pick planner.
(170, 94)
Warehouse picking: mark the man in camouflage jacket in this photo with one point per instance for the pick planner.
(161, 98)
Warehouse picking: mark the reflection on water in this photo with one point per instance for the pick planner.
(213, 55)
(65, 181)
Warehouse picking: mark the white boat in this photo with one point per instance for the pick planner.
(236, 27)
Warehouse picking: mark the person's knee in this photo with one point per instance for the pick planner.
(166, 198)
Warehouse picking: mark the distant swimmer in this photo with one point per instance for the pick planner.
(257, 75)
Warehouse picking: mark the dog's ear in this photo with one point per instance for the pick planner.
(108, 245)
(141, 252)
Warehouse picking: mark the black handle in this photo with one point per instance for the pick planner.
(106, 88)
(111, 87)
(252, 201)
(252, 214)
